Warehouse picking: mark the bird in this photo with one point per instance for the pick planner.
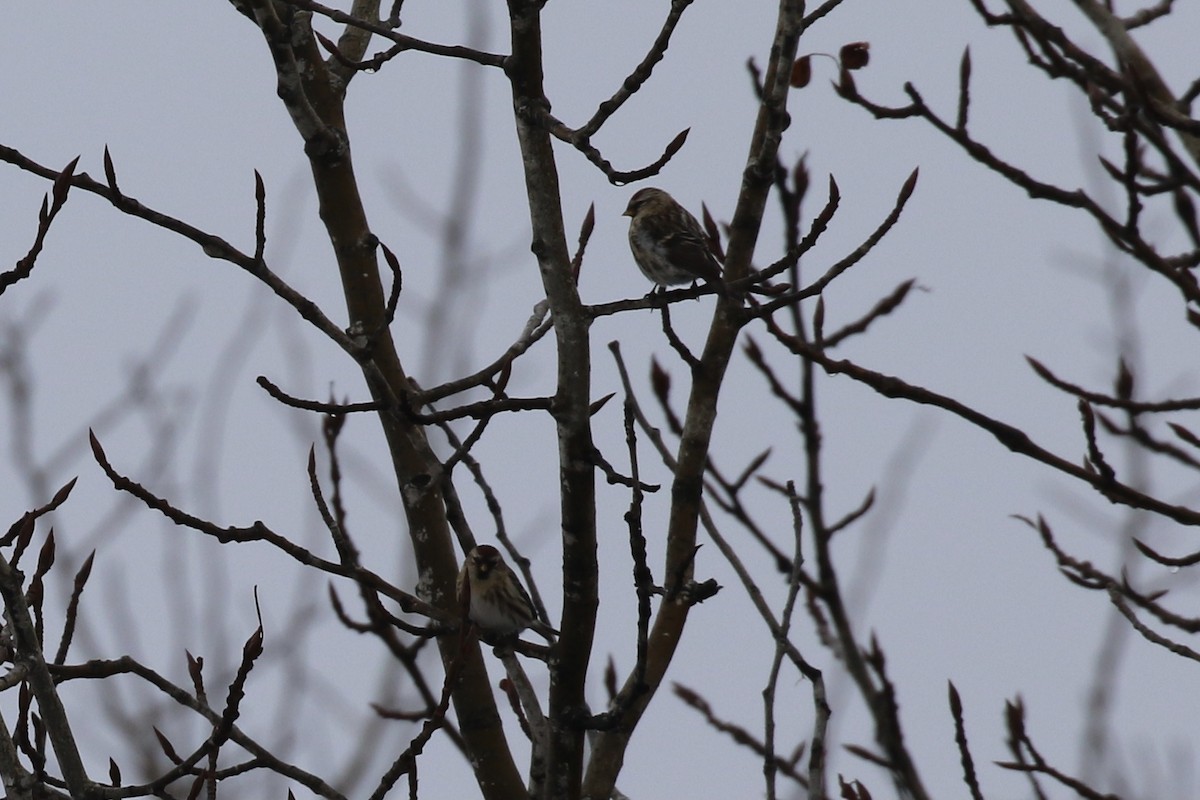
(497, 602)
(668, 244)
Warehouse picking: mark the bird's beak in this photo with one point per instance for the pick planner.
(628, 212)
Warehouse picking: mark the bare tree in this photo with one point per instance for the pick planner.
(767, 308)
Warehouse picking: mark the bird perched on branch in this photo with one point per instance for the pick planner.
(668, 243)
(497, 602)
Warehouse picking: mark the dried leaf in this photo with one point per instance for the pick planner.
(855, 55)
(801, 71)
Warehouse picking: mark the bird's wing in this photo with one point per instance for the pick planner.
(688, 250)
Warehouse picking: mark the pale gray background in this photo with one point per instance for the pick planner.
(183, 95)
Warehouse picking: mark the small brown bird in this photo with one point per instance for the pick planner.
(498, 603)
(668, 243)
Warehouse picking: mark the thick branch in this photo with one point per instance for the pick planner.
(609, 747)
(28, 651)
(571, 654)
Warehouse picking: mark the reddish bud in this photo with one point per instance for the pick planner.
(660, 380)
(1124, 382)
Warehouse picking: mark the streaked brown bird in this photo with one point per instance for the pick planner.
(498, 602)
(668, 243)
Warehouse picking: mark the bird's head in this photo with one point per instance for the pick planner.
(645, 198)
(484, 559)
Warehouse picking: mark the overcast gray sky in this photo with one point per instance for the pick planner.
(183, 94)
